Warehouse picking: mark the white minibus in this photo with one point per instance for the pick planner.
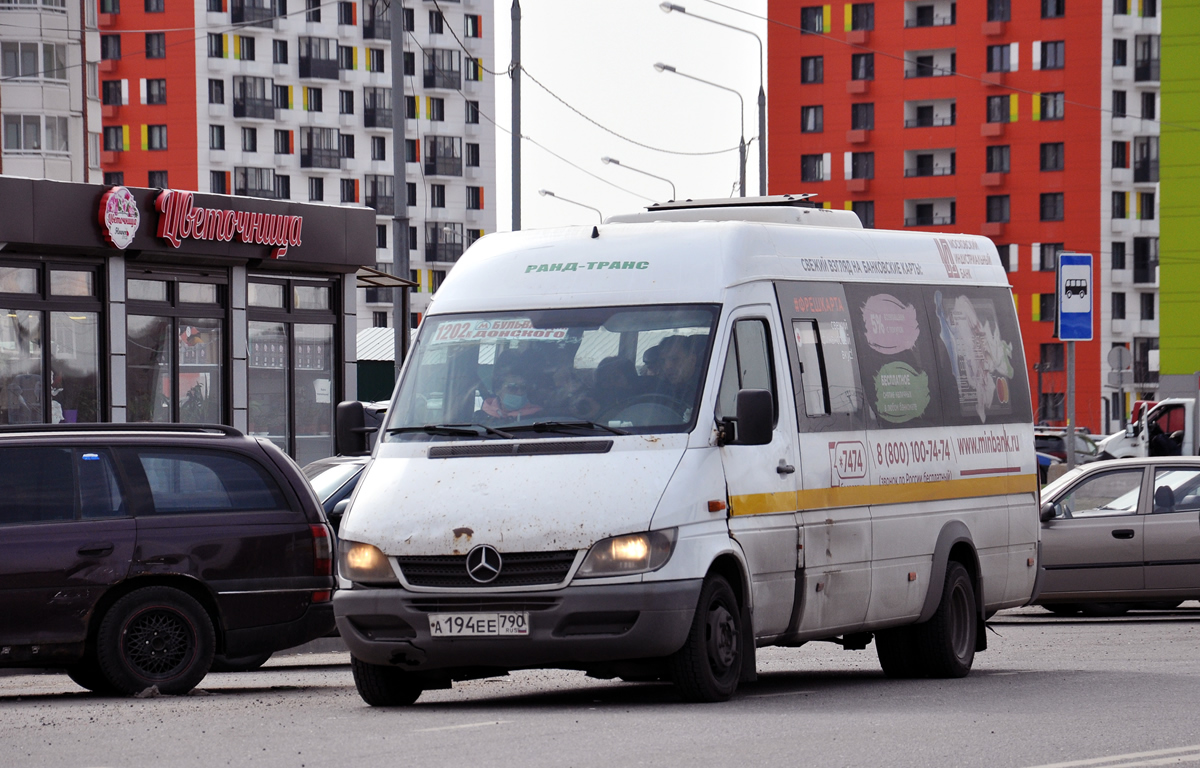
(646, 448)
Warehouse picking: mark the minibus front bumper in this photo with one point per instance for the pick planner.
(572, 627)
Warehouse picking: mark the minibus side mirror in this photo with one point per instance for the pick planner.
(1049, 512)
(350, 431)
(755, 417)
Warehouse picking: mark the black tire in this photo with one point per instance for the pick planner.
(1063, 609)
(382, 686)
(947, 641)
(898, 653)
(156, 636)
(1102, 610)
(222, 663)
(86, 674)
(708, 666)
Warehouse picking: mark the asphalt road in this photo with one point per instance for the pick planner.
(1083, 693)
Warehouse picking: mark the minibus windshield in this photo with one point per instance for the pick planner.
(555, 372)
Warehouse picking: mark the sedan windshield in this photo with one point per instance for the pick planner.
(605, 370)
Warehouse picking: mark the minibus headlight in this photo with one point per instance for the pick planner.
(364, 563)
(633, 553)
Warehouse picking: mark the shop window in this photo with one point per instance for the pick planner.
(50, 345)
(175, 360)
(292, 360)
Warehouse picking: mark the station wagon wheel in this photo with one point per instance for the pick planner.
(709, 665)
(156, 636)
(947, 640)
(382, 686)
(86, 674)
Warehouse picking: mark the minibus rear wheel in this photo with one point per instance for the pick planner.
(382, 686)
(708, 666)
(947, 640)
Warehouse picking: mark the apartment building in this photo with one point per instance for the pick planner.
(292, 100)
(1033, 122)
(49, 90)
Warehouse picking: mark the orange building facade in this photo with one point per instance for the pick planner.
(991, 118)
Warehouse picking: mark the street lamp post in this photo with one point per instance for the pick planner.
(548, 193)
(741, 118)
(762, 94)
(614, 161)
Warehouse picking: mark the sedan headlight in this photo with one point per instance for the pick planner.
(364, 563)
(632, 553)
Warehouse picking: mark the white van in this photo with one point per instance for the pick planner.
(645, 448)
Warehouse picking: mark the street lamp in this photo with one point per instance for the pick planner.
(548, 193)
(614, 161)
(762, 94)
(741, 117)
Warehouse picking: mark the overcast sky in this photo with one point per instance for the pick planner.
(599, 56)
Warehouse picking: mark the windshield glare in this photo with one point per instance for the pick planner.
(638, 369)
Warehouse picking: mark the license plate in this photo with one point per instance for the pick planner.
(478, 624)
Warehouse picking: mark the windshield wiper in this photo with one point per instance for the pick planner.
(457, 430)
(559, 426)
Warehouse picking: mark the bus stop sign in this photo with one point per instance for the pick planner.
(1075, 294)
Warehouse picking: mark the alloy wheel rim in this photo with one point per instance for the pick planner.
(158, 643)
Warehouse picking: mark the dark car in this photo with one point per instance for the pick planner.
(130, 555)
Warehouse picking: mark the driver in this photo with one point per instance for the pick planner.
(511, 402)
(680, 367)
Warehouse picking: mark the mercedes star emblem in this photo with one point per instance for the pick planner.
(483, 563)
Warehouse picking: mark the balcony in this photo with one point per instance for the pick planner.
(923, 20)
(1145, 171)
(437, 78)
(1142, 373)
(254, 14)
(443, 251)
(377, 29)
(377, 117)
(928, 70)
(917, 172)
(379, 295)
(320, 158)
(443, 166)
(928, 221)
(325, 69)
(383, 205)
(247, 191)
(1146, 70)
(1145, 274)
(929, 122)
(255, 108)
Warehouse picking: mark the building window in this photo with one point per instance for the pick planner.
(437, 109)
(1118, 255)
(156, 45)
(1149, 105)
(1120, 154)
(216, 137)
(812, 168)
(1145, 159)
(374, 60)
(1149, 9)
(1005, 254)
(279, 51)
(1052, 206)
(157, 180)
(812, 69)
(1052, 156)
(1147, 300)
(410, 64)
(379, 319)
(862, 66)
(245, 48)
(110, 47)
(1051, 356)
(349, 190)
(474, 198)
(345, 57)
(1053, 9)
(998, 160)
(154, 6)
(812, 119)
(408, 21)
(437, 23)
(21, 61)
(472, 155)
(1120, 7)
(346, 145)
(865, 210)
(862, 16)
(1053, 54)
(216, 46)
(345, 102)
(1046, 307)
(1120, 202)
(346, 13)
(472, 112)
(312, 99)
(410, 151)
(862, 165)
(812, 19)
(1145, 259)
(114, 139)
(217, 183)
(378, 148)
(474, 69)
(281, 96)
(1051, 405)
(410, 107)
(1048, 256)
(156, 137)
(1145, 205)
(862, 117)
(381, 235)
(156, 91)
(379, 193)
(410, 191)
(473, 25)
(437, 195)
(312, 11)
(283, 187)
(283, 142)
(998, 10)
(316, 189)
(1120, 51)
(114, 179)
(111, 93)
(249, 139)
(412, 240)
(1118, 103)
(1052, 106)
(997, 208)
(998, 109)
(1118, 305)
(216, 91)
(998, 58)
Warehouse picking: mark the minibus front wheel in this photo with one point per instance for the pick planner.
(382, 686)
(708, 666)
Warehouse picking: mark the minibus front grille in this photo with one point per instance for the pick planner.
(477, 604)
(545, 448)
(518, 569)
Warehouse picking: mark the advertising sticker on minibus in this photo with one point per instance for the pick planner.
(494, 330)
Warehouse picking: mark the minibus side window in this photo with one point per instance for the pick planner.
(814, 382)
(747, 366)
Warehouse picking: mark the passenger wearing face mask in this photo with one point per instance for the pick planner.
(511, 401)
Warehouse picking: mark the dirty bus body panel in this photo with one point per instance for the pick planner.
(646, 449)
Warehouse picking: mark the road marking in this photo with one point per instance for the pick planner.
(773, 695)
(1174, 756)
(460, 727)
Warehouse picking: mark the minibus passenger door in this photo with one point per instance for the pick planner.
(760, 479)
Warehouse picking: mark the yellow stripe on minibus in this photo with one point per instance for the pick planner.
(862, 495)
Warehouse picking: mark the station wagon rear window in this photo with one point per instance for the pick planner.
(207, 481)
